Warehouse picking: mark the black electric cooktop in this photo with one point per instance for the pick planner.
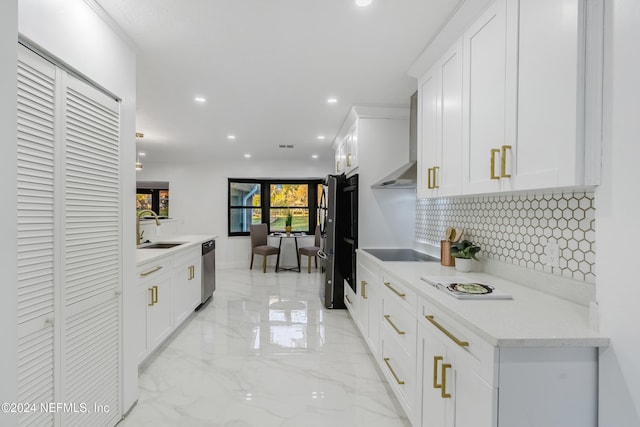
(400, 255)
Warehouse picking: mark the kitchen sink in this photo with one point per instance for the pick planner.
(161, 245)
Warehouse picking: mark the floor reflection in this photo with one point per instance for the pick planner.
(264, 353)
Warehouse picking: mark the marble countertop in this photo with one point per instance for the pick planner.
(531, 319)
(188, 241)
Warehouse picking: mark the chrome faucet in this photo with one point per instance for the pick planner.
(138, 236)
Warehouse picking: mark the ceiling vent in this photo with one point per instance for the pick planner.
(285, 145)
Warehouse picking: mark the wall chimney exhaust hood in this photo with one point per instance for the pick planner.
(406, 176)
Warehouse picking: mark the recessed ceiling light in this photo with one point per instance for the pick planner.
(200, 99)
(231, 137)
(332, 100)
(142, 154)
(363, 3)
(314, 156)
(321, 137)
(247, 156)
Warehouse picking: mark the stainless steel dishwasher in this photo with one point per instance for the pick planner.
(208, 271)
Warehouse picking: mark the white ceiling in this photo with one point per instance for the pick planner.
(266, 68)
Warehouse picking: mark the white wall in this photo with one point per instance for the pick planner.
(618, 221)
(71, 31)
(8, 235)
(386, 216)
(198, 198)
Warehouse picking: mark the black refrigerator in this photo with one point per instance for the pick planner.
(339, 225)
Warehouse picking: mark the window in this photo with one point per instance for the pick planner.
(248, 206)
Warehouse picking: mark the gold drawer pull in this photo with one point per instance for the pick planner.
(386, 360)
(447, 333)
(435, 179)
(347, 298)
(503, 162)
(151, 304)
(400, 294)
(443, 392)
(151, 271)
(388, 317)
(155, 295)
(429, 186)
(363, 288)
(494, 151)
(436, 359)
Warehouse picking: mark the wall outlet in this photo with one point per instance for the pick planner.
(552, 253)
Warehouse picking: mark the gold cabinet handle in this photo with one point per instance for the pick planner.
(447, 333)
(192, 272)
(494, 151)
(347, 298)
(435, 175)
(388, 318)
(349, 160)
(503, 162)
(443, 391)
(429, 186)
(155, 294)
(400, 294)
(398, 380)
(436, 359)
(363, 288)
(151, 271)
(151, 303)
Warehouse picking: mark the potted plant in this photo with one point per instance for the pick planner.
(287, 222)
(464, 253)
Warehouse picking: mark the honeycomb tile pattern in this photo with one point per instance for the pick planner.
(515, 228)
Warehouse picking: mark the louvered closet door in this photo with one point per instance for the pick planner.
(91, 255)
(36, 134)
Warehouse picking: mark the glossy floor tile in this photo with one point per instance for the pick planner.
(264, 352)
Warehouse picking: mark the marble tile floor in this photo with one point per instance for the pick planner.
(264, 352)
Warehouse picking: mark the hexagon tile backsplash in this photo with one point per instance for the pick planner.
(516, 228)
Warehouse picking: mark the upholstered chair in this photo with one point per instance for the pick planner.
(259, 246)
(311, 251)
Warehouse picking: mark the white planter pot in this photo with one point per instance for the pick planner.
(464, 265)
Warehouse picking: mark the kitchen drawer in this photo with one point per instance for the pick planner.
(400, 323)
(187, 255)
(153, 269)
(399, 290)
(477, 353)
(399, 367)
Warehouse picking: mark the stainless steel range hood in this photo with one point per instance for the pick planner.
(406, 176)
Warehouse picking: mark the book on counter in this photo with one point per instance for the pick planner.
(465, 288)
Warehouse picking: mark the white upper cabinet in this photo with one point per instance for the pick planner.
(440, 126)
(427, 131)
(484, 75)
(531, 99)
(347, 152)
(556, 62)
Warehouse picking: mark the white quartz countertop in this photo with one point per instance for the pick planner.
(530, 319)
(188, 241)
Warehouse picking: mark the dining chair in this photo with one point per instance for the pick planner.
(259, 246)
(311, 251)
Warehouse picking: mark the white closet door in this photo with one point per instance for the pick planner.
(91, 255)
(35, 246)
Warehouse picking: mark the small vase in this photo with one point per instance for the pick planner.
(464, 265)
(287, 228)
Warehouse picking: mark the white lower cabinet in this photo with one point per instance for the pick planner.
(154, 296)
(186, 284)
(369, 302)
(159, 321)
(453, 392)
(352, 302)
(398, 344)
(444, 374)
